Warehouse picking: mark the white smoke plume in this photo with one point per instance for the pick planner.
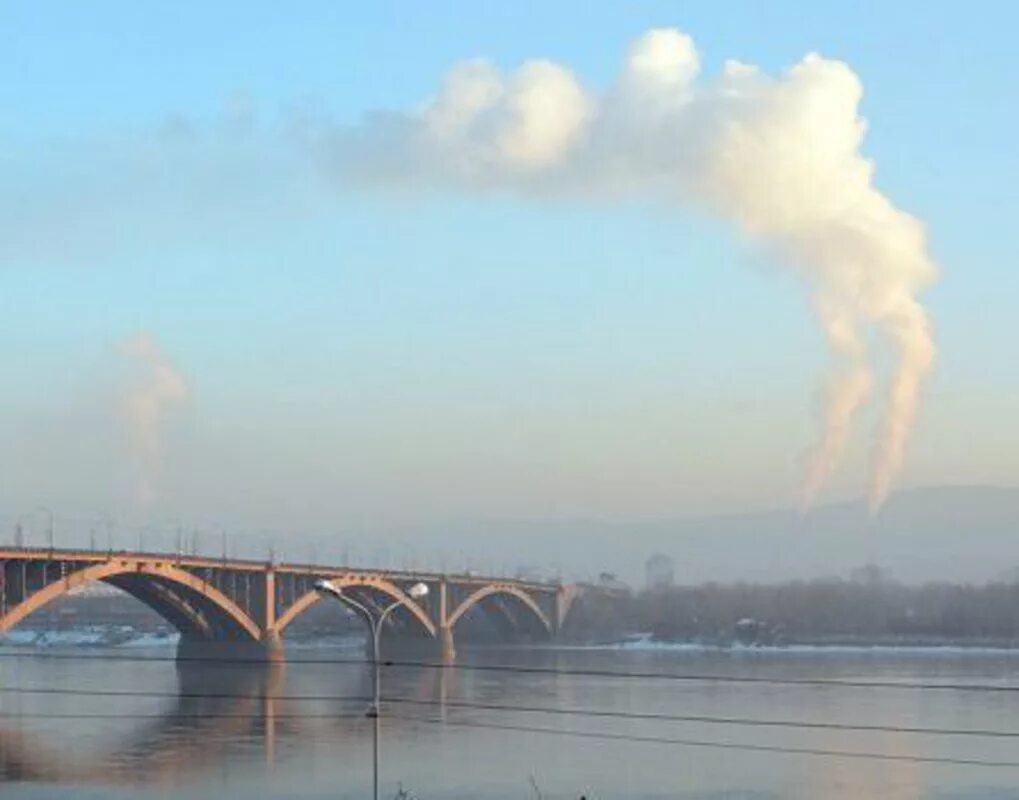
(779, 156)
(148, 405)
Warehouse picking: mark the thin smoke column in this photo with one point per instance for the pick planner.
(157, 394)
(779, 156)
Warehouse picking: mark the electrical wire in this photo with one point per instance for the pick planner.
(841, 683)
(172, 717)
(548, 710)
(721, 745)
(590, 735)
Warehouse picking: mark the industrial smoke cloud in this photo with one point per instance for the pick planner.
(148, 405)
(779, 156)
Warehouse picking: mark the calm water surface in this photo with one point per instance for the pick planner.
(301, 732)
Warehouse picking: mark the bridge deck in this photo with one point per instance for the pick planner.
(250, 602)
(280, 567)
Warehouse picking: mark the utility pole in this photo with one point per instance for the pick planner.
(50, 524)
(108, 520)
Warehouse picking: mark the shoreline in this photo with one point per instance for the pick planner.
(122, 637)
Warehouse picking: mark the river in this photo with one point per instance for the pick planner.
(130, 723)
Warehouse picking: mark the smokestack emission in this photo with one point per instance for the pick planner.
(778, 156)
(159, 390)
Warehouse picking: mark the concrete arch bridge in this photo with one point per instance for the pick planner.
(240, 608)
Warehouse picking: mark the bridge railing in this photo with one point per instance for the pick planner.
(43, 530)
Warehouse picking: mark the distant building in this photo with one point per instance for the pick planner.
(659, 572)
(870, 574)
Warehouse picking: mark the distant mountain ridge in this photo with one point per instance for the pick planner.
(959, 533)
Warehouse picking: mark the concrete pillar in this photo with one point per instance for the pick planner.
(272, 644)
(269, 618)
(269, 650)
(445, 629)
(448, 646)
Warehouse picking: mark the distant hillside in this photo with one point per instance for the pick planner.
(961, 533)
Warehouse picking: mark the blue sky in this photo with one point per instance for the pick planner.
(354, 356)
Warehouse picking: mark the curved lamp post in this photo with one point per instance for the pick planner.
(327, 588)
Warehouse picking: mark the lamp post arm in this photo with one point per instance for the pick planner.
(388, 610)
(374, 629)
(377, 634)
(350, 601)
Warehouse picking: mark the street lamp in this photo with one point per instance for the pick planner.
(49, 528)
(327, 588)
(108, 527)
(20, 538)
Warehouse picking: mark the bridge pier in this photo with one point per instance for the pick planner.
(448, 651)
(269, 650)
(448, 647)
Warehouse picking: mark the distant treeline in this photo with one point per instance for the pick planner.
(867, 609)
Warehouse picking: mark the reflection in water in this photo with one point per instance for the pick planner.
(300, 730)
(214, 710)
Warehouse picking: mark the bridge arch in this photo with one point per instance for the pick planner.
(499, 588)
(566, 598)
(173, 604)
(383, 585)
(158, 573)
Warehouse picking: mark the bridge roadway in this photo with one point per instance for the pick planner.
(233, 608)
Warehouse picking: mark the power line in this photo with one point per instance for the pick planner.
(707, 678)
(475, 706)
(596, 735)
(712, 720)
(175, 716)
(509, 668)
(59, 690)
(721, 745)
